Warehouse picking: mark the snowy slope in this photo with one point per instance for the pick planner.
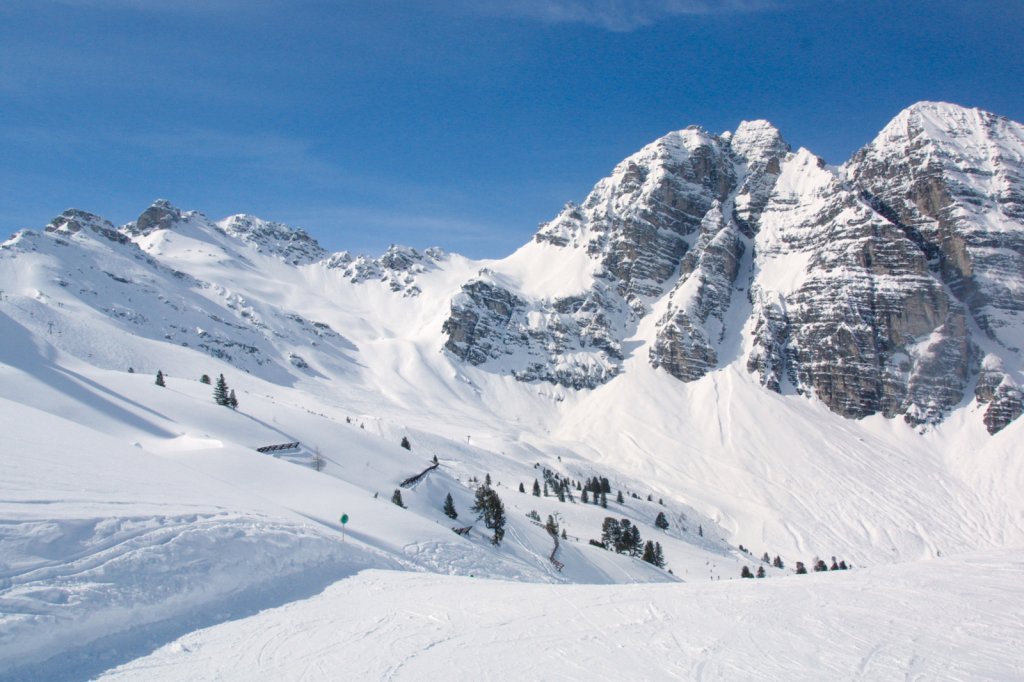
(877, 624)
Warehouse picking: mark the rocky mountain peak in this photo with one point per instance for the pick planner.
(758, 141)
(73, 221)
(161, 215)
(292, 244)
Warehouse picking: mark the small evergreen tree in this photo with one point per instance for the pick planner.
(584, 498)
(487, 479)
(405, 443)
(760, 571)
(397, 498)
(649, 556)
(232, 400)
(659, 556)
(800, 568)
(766, 559)
(842, 565)
(618, 498)
(777, 562)
(745, 573)
(604, 500)
(220, 391)
(205, 379)
(660, 521)
(820, 565)
(488, 506)
(434, 460)
(449, 507)
(159, 378)
(561, 493)
(521, 488)
(545, 488)
(536, 488)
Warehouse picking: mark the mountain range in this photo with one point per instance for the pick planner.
(802, 359)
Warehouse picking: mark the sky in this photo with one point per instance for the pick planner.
(457, 123)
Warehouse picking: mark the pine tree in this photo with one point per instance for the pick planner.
(618, 498)
(660, 521)
(604, 500)
(521, 488)
(584, 498)
(397, 498)
(545, 488)
(487, 479)
(636, 543)
(606, 487)
(767, 559)
(777, 562)
(649, 555)
(745, 573)
(659, 556)
(434, 460)
(488, 506)
(449, 507)
(760, 571)
(405, 443)
(820, 566)
(536, 488)
(220, 391)
(800, 568)
(159, 378)
(232, 400)
(205, 379)
(611, 533)
(561, 493)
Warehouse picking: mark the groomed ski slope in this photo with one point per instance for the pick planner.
(949, 619)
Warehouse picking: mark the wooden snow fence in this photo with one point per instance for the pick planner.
(413, 480)
(281, 447)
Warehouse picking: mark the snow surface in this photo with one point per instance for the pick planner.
(944, 619)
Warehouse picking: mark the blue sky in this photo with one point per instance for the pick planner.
(461, 123)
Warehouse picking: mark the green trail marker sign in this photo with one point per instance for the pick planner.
(344, 519)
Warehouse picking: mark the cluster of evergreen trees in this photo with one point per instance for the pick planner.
(623, 537)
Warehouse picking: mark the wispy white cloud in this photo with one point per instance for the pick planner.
(614, 15)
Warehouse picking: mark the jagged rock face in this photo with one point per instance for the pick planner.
(669, 209)
(398, 267)
(568, 341)
(637, 222)
(846, 308)
(160, 216)
(291, 244)
(74, 220)
(953, 180)
(689, 333)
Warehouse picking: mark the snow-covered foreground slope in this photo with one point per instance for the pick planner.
(950, 619)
